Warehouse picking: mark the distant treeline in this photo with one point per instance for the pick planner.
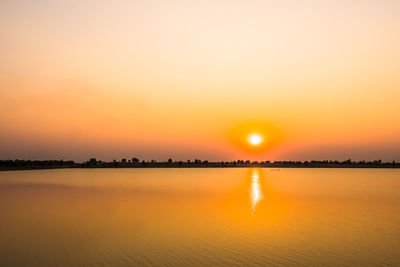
(35, 164)
(136, 163)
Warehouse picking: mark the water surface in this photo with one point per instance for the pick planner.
(214, 217)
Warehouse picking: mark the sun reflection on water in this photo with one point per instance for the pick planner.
(255, 191)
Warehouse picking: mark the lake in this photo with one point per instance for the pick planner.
(200, 217)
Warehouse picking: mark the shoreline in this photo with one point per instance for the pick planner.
(207, 167)
(134, 163)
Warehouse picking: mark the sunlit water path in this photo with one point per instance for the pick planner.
(214, 217)
(255, 190)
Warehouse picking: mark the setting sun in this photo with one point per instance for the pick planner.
(255, 139)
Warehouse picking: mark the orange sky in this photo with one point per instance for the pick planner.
(159, 79)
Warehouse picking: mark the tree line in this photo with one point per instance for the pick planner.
(197, 163)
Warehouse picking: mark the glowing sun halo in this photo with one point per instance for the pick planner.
(255, 139)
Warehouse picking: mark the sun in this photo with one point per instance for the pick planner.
(255, 139)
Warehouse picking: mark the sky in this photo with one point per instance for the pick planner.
(189, 79)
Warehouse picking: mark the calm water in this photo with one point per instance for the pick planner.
(192, 217)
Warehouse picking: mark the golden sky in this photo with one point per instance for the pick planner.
(159, 79)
